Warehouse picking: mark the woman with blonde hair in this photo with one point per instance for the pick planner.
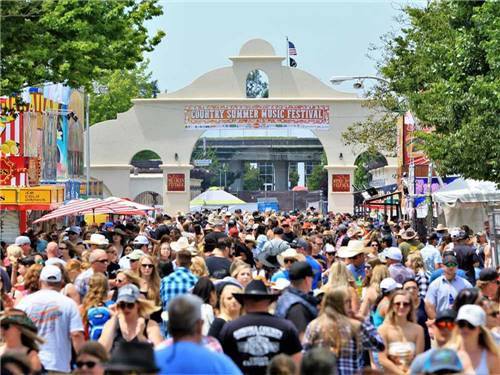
(31, 281)
(474, 343)
(131, 322)
(228, 307)
(67, 287)
(339, 276)
(373, 291)
(73, 268)
(242, 272)
(198, 266)
(124, 277)
(150, 283)
(96, 296)
(403, 337)
(336, 330)
(416, 263)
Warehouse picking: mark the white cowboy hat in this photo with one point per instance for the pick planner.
(181, 244)
(288, 253)
(353, 248)
(97, 239)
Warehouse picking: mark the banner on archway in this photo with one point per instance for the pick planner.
(256, 116)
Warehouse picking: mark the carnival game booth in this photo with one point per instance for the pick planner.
(213, 198)
(468, 202)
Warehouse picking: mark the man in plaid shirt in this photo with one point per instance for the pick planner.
(178, 282)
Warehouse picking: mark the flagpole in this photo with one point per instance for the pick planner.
(287, 57)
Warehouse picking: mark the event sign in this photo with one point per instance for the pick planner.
(176, 182)
(341, 183)
(256, 116)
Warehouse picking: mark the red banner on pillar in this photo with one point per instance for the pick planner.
(341, 183)
(176, 182)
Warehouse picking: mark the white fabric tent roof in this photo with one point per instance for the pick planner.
(215, 197)
(463, 191)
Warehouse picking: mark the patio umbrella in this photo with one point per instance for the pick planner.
(300, 188)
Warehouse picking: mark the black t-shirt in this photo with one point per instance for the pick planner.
(218, 267)
(466, 257)
(289, 237)
(255, 338)
(215, 236)
(216, 328)
(112, 268)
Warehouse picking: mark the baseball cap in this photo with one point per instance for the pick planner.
(447, 259)
(74, 229)
(233, 232)
(109, 224)
(473, 314)
(136, 255)
(22, 240)
(442, 360)
(488, 274)
(446, 314)
(51, 274)
(141, 240)
(128, 293)
(389, 284)
(394, 253)
(300, 270)
(300, 243)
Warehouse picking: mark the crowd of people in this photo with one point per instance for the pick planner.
(218, 292)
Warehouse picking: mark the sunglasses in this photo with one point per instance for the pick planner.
(464, 324)
(354, 257)
(119, 280)
(444, 324)
(133, 260)
(147, 265)
(102, 261)
(88, 364)
(330, 254)
(63, 248)
(494, 314)
(126, 305)
(402, 304)
(451, 265)
(368, 267)
(374, 244)
(290, 260)
(5, 326)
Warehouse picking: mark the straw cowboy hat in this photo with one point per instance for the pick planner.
(440, 228)
(288, 253)
(353, 248)
(408, 234)
(181, 244)
(97, 239)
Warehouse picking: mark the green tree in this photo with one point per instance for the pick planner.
(73, 42)
(119, 88)
(317, 177)
(293, 177)
(445, 64)
(257, 84)
(251, 178)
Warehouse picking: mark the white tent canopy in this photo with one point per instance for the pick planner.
(215, 197)
(465, 202)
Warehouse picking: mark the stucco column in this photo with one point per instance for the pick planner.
(116, 177)
(176, 187)
(340, 192)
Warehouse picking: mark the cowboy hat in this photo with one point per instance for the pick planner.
(250, 238)
(288, 253)
(408, 234)
(181, 244)
(97, 239)
(255, 290)
(353, 248)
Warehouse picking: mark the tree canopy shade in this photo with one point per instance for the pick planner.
(72, 41)
(446, 65)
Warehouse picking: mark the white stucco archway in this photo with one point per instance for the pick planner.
(159, 124)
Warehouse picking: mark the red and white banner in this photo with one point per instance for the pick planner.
(256, 116)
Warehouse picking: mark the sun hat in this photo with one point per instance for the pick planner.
(250, 238)
(256, 289)
(136, 254)
(408, 234)
(97, 239)
(23, 321)
(288, 253)
(181, 244)
(389, 284)
(22, 240)
(141, 240)
(353, 248)
(51, 274)
(473, 314)
(442, 360)
(440, 228)
(280, 284)
(128, 293)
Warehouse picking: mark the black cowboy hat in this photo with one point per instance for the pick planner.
(255, 290)
(133, 356)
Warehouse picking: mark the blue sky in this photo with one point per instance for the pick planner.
(331, 37)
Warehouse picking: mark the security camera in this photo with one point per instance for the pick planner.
(357, 85)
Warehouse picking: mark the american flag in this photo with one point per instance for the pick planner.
(291, 49)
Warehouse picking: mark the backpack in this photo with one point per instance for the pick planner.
(96, 317)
